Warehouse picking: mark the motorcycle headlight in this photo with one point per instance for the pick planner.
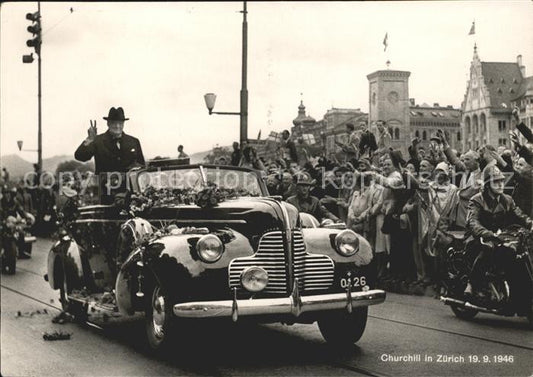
(347, 243)
(254, 279)
(210, 248)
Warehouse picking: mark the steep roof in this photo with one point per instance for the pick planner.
(526, 88)
(503, 81)
(437, 113)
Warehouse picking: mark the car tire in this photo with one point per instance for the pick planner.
(9, 262)
(530, 316)
(463, 313)
(159, 319)
(75, 308)
(28, 247)
(340, 328)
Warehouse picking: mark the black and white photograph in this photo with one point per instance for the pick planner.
(266, 188)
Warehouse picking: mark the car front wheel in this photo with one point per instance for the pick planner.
(75, 308)
(9, 256)
(530, 316)
(341, 328)
(159, 318)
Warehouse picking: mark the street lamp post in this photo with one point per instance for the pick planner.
(39, 132)
(210, 98)
(244, 77)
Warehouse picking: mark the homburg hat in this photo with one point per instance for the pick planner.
(116, 114)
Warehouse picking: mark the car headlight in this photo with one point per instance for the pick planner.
(210, 248)
(347, 243)
(254, 279)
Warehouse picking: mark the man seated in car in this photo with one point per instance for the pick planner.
(489, 211)
(306, 202)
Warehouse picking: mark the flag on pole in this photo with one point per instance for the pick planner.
(472, 28)
(309, 138)
(385, 41)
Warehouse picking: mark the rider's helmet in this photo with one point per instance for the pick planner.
(492, 174)
(493, 178)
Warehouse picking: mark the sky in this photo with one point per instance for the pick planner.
(157, 60)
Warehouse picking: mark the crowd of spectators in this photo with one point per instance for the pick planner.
(405, 208)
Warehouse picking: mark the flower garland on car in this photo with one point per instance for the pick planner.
(208, 197)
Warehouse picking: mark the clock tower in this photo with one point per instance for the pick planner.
(388, 94)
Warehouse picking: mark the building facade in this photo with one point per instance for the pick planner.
(323, 134)
(524, 99)
(426, 120)
(389, 101)
(492, 90)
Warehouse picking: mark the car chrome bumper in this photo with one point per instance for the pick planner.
(294, 304)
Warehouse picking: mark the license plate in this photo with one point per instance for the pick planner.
(354, 281)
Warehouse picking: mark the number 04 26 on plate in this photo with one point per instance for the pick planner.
(353, 281)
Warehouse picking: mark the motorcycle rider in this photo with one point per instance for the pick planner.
(489, 211)
(307, 203)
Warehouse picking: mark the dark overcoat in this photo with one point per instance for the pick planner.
(108, 157)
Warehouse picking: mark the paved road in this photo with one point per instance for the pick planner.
(405, 326)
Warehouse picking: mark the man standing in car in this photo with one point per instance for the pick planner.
(113, 151)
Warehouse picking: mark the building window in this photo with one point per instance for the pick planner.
(458, 136)
(483, 123)
(467, 124)
(397, 133)
(417, 133)
(424, 135)
(502, 125)
(330, 143)
(502, 142)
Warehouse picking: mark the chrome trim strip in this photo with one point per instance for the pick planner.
(288, 246)
(285, 305)
(195, 221)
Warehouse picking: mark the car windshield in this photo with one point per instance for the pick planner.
(237, 182)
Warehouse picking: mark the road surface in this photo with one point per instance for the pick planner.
(405, 336)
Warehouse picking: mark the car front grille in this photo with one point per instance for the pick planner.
(314, 271)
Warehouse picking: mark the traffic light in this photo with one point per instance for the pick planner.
(35, 30)
(27, 58)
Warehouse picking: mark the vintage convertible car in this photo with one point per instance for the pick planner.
(204, 241)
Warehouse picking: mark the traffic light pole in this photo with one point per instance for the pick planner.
(39, 132)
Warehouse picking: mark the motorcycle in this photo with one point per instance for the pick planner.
(16, 242)
(507, 287)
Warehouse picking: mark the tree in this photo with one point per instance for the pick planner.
(216, 153)
(73, 165)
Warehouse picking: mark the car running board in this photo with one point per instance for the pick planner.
(102, 312)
